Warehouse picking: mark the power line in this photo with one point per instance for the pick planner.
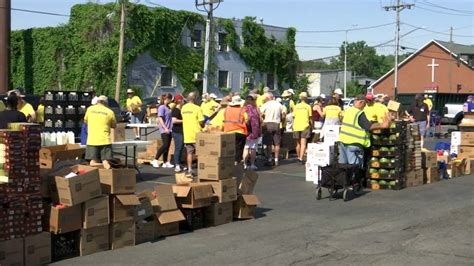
(446, 8)
(439, 32)
(344, 30)
(39, 12)
(441, 12)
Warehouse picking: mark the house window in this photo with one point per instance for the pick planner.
(166, 77)
(248, 78)
(223, 79)
(270, 80)
(222, 45)
(196, 38)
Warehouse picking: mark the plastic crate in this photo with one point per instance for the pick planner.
(378, 153)
(194, 219)
(65, 246)
(398, 186)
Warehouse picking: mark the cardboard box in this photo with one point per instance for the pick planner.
(217, 144)
(393, 106)
(194, 195)
(429, 159)
(466, 152)
(247, 184)
(144, 209)
(462, 138)
(152, 148)
(51, 154)
(123, 207)
(456, 168)
(414, 178)
(430, 175)
(212, 168)
(167, 229)
(331, 134)
(144, 231)
(11, 252)
(45, 178)
(96, 212)
(38, 249)
(469, 167)
(94, 240)
(165, 200)
(122, 234)
(118, 133)
(244, 207)
(218, 213)
(224, 190)
(321, 154)
(80, 188)
(312, 172)
(118, 181)
(67, 219)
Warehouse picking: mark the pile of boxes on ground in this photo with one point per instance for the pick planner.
(21, 205)
(151, 149)
(459, 160)
(84, 210)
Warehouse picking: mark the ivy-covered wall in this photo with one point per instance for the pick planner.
(83, 52)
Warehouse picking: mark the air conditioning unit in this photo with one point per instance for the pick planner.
(197, 76)
(247, 80)
(197, 44)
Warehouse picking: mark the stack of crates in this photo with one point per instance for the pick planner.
(64, 110)
(386, 165)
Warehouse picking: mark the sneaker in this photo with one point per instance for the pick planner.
(177, 169)
(253, 167)
(167, 165)
(276, 162)
(245, 166)
(155, 163)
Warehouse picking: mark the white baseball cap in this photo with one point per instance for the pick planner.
(291, 91)
(213, 96)
(338, 91)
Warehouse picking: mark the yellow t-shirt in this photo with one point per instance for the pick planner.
(371, 112)
(429, 103)
(218, 120)
(26, 109)
(260, 100)
(192, 116)
(301, 116)
(136, 102)
(292, 105)
(332, 111)
(209, 107)
(381, 110)
(40, 114)
(2, 106)
(99, 120)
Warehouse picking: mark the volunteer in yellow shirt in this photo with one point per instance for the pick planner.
(261, 98)
(374, 111)
(134, 104)
(428, 102)
(40, 112)
(193, 122)
(209, 106)
(100, 120)
(218, 120)
(302, 124)
(25, 107)
(332, 113)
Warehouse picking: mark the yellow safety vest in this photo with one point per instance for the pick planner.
(351, 131)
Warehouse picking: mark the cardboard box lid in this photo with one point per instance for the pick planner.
(248, 182)
(202, 191)
(165, 197)
(393, 106)
(170, 216)
(63, 152)
(251, 200)
(128, 200)
(181, 190)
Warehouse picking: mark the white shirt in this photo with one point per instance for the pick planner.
(272, 111)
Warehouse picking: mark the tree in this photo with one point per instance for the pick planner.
(361, 58)
(354, 89)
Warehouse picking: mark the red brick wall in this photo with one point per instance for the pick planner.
(415, 75)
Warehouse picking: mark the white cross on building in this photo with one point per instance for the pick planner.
(433, 65)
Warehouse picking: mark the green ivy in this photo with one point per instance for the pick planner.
(83, 52)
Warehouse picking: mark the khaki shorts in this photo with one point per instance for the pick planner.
(99, 153)
(305, 134)
(190, 148)
(271, 134)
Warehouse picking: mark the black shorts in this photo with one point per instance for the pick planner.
(271, 134)
(99, 153)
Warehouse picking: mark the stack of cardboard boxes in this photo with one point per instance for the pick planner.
(21, 206)
(216, 153)
(430, 167)
(462, 144)
(414, 175)
(319, 155)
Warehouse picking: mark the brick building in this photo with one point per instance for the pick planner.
(437, 67)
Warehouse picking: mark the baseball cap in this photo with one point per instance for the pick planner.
(178, 98)
(369, 96)
(103, 98)
(291, 91)
(338, 91)
(213, 96)
(304, 95)
(129, 91)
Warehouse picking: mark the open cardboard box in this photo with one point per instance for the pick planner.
(50, 155)
(193, 195)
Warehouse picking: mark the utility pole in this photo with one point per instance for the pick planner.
(345, 67)
(118, 85)
(5, 25)
(399, 7)
(450, 50)
(209, 8)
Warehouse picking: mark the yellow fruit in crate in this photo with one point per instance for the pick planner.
(375, 175)
(375, 186)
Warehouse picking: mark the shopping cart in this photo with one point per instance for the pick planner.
(339, 177)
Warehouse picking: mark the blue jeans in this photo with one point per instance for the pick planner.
(351, 154)
(178, 147)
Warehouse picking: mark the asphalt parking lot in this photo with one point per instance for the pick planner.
(430, 224)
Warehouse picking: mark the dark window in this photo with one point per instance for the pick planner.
(270, 80)
(221, 41)
(196, 38)
(166, 77)
(223, 79)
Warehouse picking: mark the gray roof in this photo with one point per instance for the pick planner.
(457, 48)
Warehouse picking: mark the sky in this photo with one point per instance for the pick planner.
(427, 20)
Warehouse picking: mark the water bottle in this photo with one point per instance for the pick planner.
(71, 139)
(53, 139)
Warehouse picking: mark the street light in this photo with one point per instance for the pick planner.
(345, 62)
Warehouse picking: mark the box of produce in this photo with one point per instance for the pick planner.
(383, 151)
(382, 140)
(384, 173)
(383, 162)
(385, 184)
(395, 127)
